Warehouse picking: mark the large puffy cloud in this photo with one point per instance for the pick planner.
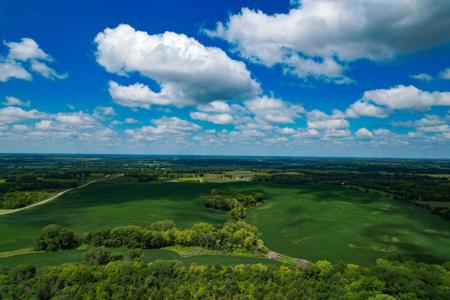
(381, 102)
(274, 110)
(188, 72)
(323, 33)
(27, 52)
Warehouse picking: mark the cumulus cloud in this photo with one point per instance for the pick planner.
(274, 110)
(328, 126)
(188, 72)
(12, 114)
(366, 109)
(321, 34)
(27, 53)
(319, 120)
(381, 102)
(407, 97)
(364, 133)
(427, 124)
(166, 127)
(220, 118)
(13, 101)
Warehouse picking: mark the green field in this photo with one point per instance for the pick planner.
(345, 225)
(310, 222)
(73, 256)
(109, 203)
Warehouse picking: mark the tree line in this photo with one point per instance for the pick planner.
(136, 279)
(230, 236)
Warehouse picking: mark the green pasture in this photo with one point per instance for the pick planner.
(109, 203)
(313, 223)
(340, 224)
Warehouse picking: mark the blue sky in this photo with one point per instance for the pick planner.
(325, 78)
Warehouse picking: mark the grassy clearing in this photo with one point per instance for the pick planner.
(73, 256)
(345, 225)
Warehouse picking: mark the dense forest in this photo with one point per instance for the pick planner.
(132, 278)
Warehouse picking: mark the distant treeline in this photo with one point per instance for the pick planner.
(403, 187)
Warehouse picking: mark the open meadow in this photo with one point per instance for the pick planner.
(313, 222)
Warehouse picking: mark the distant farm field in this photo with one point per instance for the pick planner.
(344, 225)
(314, 223)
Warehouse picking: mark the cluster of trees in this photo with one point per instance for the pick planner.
(19, 199)
(143, 176)
(134, 279)
(232, 201)
(54, 238)
(231, 236)
(24, 190)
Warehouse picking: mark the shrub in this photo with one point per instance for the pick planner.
(54, 238)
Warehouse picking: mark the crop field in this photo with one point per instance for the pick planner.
(317, 222)
(110, 203)
(344, 225)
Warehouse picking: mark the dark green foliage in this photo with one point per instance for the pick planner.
(226, 200)
(231, 236)
(136, 254)
(100, 256)
(172, 280)
(54, 238)
(238, 213)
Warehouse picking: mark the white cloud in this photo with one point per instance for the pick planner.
(103, 112)
(215, 107)
(366, 109)
(46, 71)
(10, 69)
(13, 101)
(220, 118)
(445, 74)
(381, 102)
(422, 77)
(77, 119)
(335, 32)
(27, 51)
(274, 110)
(166, 127)
(433, 125)
(319, 120)
(12, 114)
(188, 72)
(407, 97)
(364, 133)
